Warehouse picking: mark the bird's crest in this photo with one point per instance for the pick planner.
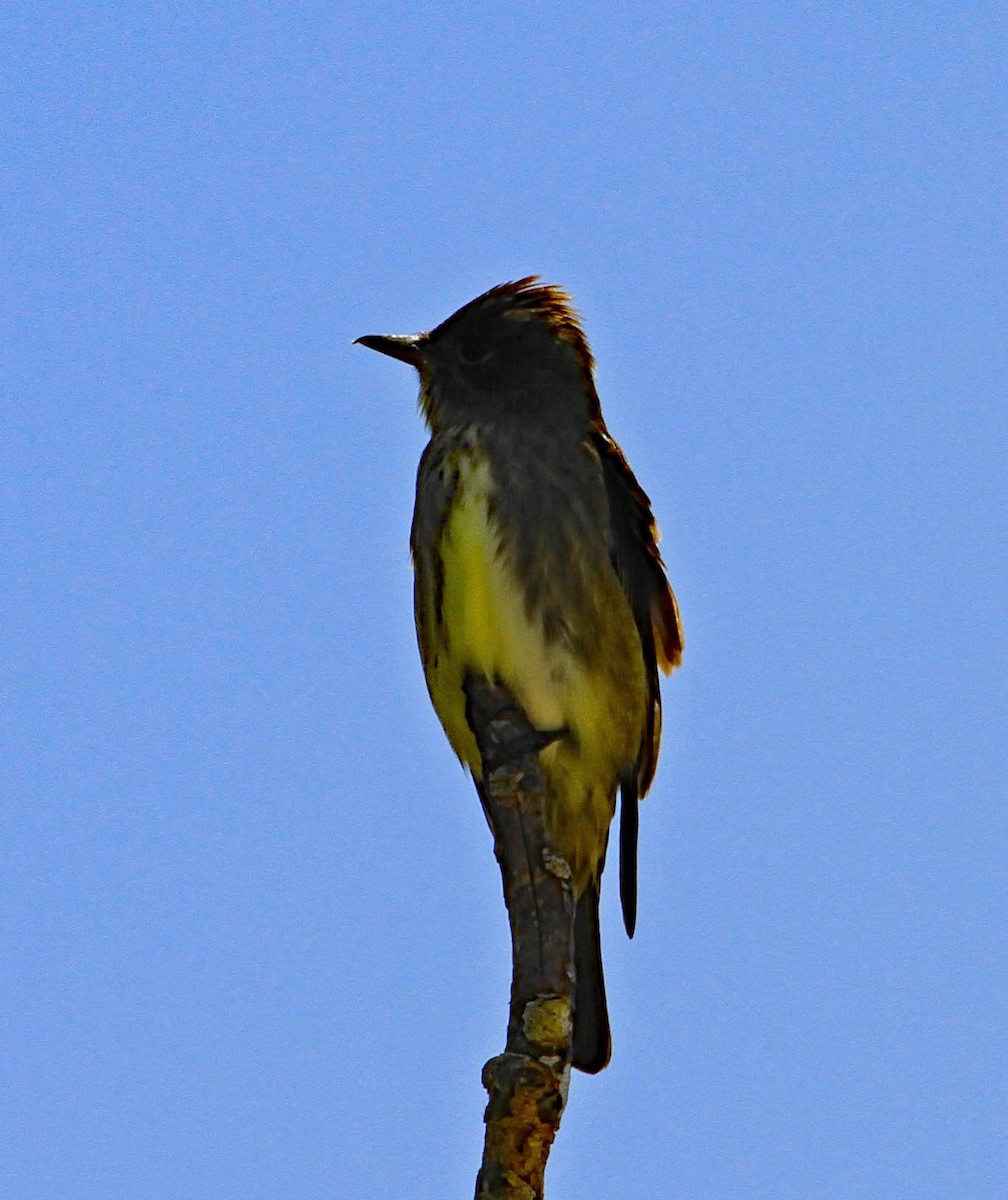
(527, 299)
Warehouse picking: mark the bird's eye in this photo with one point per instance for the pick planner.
(474, 351)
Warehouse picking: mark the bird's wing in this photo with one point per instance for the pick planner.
(437, 478)
(633, 546)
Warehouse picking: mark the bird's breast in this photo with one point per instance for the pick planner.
(490, 624)
(528, 597)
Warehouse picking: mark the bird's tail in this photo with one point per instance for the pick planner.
(591, 1043)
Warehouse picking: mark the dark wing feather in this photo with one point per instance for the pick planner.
(633, 546)
(437, 479)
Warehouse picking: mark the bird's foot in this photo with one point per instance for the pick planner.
(502, 728)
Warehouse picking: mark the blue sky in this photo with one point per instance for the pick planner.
(252, 933)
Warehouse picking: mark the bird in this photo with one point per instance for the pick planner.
(536, 566)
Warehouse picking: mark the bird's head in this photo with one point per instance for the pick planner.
(516, 353)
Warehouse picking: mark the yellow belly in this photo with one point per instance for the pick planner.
(487, 628)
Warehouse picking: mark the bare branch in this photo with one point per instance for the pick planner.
(527, 1085)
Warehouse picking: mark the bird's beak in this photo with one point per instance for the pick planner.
(408, 348)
